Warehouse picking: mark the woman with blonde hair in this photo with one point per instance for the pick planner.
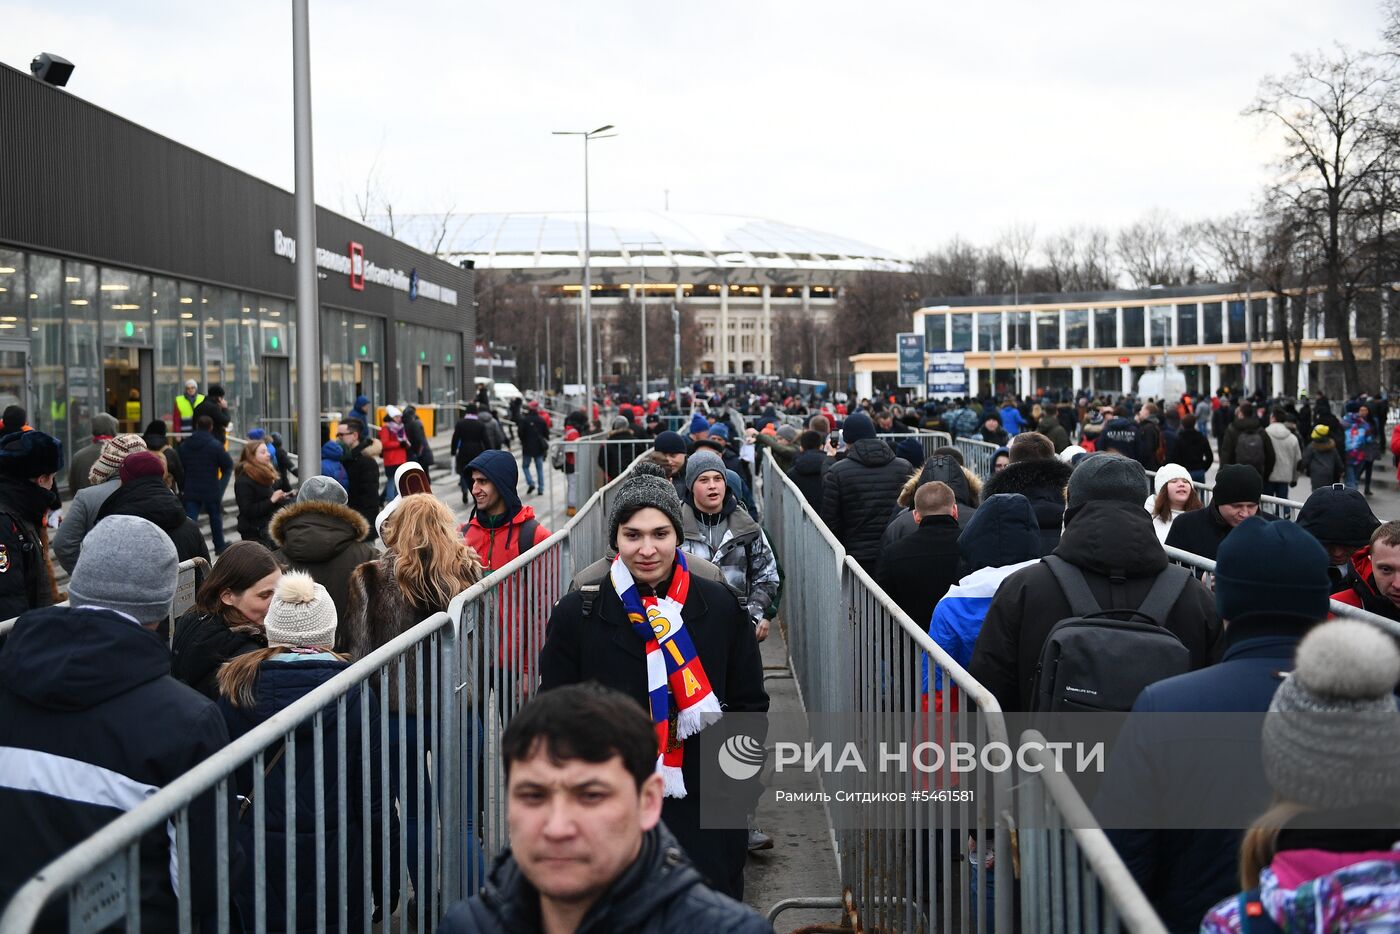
(301, 626)
(259, 490)
(425, 565)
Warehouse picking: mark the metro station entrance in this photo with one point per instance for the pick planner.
(129, 386)
(366, 382)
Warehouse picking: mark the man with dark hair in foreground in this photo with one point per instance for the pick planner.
(588, 849)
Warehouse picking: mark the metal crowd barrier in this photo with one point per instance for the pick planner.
(1072, 878)
(593, 452)
(1273, 505)
(446, 687)
(186, 578)
(977, 455)
(853, 650)
(930, 441)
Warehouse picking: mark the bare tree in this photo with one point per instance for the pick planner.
(1157, 250)
(1013, 247)
(1336, 113)
(871, 309)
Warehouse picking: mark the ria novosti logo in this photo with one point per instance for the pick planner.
(741, 757)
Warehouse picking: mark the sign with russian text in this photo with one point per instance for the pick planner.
(947, 375)
(911, 359)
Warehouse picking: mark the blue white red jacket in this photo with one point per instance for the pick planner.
(957, 619)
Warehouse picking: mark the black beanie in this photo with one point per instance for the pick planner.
(669, 442)
(1237, 483)
(1271, 569)
(858, 427)
(29, 454)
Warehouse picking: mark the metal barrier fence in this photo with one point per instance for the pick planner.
(977, 455)
(1273, 505)
(417, 721)
(930, 441)
(1072, 879)
(186, 578)
(854, 650)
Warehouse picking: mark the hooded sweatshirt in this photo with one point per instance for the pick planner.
(1001, 539)
(501, 538)
(91, 725)
(947, 470)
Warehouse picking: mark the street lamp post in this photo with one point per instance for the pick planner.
(600, 133)
(308, 306)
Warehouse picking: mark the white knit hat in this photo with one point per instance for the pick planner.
(301, 613)
(1166, 474)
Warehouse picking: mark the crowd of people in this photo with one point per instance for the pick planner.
(659, 639)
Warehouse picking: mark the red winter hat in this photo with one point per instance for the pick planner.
(141, 464)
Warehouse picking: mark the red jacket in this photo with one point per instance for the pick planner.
(395, 451)
(1362, 592)
(498, 547)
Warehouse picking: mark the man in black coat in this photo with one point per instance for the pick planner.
(204, 459)
(610, 865)
(1040, 477)
(215, 405)
(860, 491)
(361, 469)
(469, 438)
(534, 444)
(809, 466)
(917, 570)
(29, 462)
(1109, 537)
(93, 725)
(1233, 499)
(1120, 435)
(1342, 521)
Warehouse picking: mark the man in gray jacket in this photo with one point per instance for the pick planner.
(104, 427)
(81, 514)
(718, 529)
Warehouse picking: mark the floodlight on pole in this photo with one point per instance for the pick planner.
(600, 133)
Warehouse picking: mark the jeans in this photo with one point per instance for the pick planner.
(415, 823)
(1350, 480)
(216, 519)
(1363, 473)
(538, 461)
(1198, 475)
(1276, 489)
(571, 496)
(391, 489)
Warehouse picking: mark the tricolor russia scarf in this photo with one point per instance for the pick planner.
(673, 668)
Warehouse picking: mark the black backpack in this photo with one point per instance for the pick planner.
(1092, 661)
(1249, 450)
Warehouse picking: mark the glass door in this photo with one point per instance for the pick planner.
(16, 381)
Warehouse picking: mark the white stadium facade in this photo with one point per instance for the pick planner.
(741, 277)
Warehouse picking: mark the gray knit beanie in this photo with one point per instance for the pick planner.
(322, 489)
(700, 462)
(1105, 476)
(129, 565)
(643, 490)
(1332, 735)
(301, 613)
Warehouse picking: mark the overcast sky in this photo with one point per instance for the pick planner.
(897, 123)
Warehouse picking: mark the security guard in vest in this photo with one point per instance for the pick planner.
(185, 406)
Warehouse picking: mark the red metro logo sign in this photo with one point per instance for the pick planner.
(357, 266)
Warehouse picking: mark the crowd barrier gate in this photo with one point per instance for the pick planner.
(465, 672)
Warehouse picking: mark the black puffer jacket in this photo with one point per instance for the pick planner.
(151, 499)
(1192, 451)
(1042, 482)
(659, 893)
(1106, 538)
(203, 643)
(858, 494)
(806, 472)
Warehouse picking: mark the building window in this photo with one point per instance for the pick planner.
(1160, 317)
(935, 333)
(709, 343)
(1133, 334)
(746, 345)
(1047, 330)
(731, 343)
(1018, 330)
(962, 332)
(1186, 324)
(1076, 329)
(1237, 335)
(989, 331)
(1259, 309)
(1105, 327)
(1210, 320)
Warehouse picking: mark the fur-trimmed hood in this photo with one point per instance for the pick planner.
(314, 530)
(1036, 479)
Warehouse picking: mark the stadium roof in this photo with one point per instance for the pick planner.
(540, 240)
